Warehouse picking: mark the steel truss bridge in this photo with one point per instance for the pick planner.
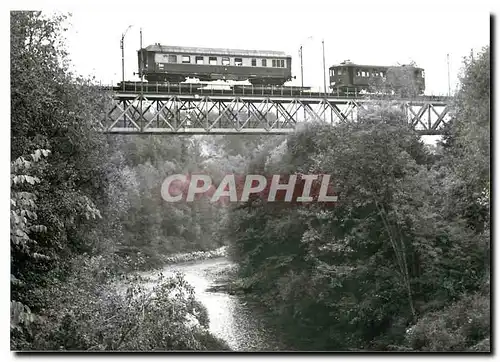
(188, 109)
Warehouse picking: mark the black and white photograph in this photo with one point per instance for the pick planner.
(264, 176)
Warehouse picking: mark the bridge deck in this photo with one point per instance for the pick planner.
(185, 110)
(205, 89)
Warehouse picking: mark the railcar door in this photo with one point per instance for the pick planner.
(226, 67)
(350, 76)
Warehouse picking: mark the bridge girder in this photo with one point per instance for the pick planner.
(135, 113)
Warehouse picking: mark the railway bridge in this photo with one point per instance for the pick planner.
(194, 108)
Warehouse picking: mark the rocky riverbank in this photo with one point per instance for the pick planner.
(195, 256)
(224, 280)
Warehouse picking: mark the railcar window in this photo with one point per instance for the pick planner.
(423, 74)
(254, 62)
(186, 59)
(358, 73)
(172, 58)
(212, 60)
(264, 62)
(278, 63)
(225, 61)
(339, 71)
(238, 62)
(199, 60)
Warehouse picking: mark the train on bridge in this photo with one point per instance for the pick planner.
(265, 68)
(161, 63)
(405, 80)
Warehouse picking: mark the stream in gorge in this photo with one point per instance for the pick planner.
(231, 319)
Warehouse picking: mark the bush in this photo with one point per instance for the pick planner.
(463, 325)
(89, 312)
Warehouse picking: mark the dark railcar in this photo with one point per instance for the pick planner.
(350, 77)
(161, 63)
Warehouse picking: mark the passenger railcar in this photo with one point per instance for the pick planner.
(160, 63)
(350, 77)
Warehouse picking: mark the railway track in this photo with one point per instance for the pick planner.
(245, 90)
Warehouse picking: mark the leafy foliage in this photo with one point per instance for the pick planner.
(163, 228)
(75, 211)
(456, 328)
(126, 314)
(395, 253)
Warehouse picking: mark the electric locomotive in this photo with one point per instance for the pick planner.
(407, 80)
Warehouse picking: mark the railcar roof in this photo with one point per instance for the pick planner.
(372, 66)
(218, 51)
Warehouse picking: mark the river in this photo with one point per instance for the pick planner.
(231, 319)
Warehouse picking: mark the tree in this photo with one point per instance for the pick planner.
(467, 144)
(65, 221)
(360, 273)
(53, 111)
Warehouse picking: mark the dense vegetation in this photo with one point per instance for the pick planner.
(401, 262)
(151, 227)
(86, 208)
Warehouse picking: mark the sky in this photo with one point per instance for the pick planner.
(379, 33)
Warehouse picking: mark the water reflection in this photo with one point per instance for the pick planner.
(230, 318)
